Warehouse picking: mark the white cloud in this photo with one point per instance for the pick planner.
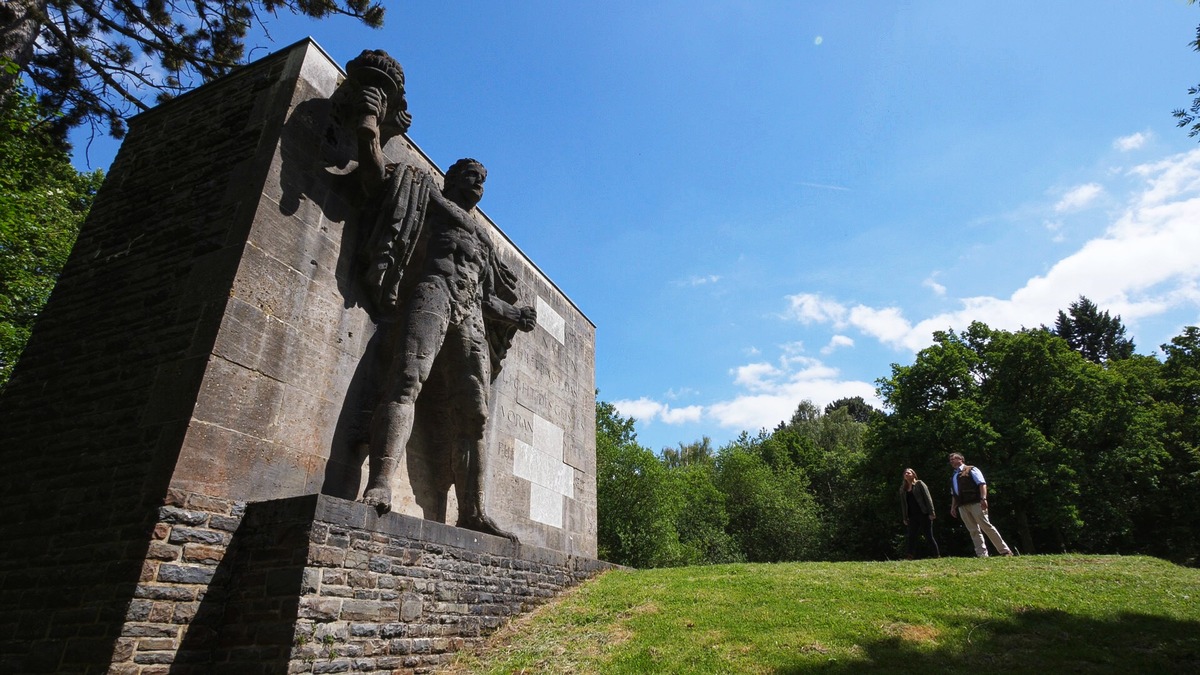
(1079, 197)
(771, 394)
(792, 348)
(1055, 227)
(888, 325)
(774, 391)
(646, 410)
(812, 308)
(755, 376)
(702, 280)
(1131, 142)
(1143, 265)
(643, 409)
(765, 410)
(937, 288)
(689, 413)
(825, 186)
(1169, 179)
(837, 342)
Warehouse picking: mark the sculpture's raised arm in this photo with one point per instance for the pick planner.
(371, 102)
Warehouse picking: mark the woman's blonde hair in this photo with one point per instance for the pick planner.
(904, 483)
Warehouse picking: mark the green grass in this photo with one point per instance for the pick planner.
(1043, 614)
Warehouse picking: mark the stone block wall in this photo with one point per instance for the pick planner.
(317, 584)
(202, 356)
(285, 401)
(92, 420)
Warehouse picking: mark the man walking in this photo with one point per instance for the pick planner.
(968, 492)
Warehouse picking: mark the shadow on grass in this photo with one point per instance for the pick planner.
(1042, 641)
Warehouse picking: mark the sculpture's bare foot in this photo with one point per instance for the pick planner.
(380, 498)
(486, 525)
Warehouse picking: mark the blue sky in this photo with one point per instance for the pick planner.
(759, 203)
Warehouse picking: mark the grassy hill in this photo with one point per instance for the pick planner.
(1035, 614)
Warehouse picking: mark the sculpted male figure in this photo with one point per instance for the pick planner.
(443, 321)
(455, 325)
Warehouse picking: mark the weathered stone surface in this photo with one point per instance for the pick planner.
(185, 574)
(185, 535)
(220, 367)
(276, 412)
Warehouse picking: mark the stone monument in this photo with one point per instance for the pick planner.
(456, 324)
(286, 357)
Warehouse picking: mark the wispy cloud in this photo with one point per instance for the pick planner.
(647, 410)
(755, 376)
(933, 285)
(700, 280)
(770, 393)
(835, 343)
(1055, 227)
(1079, 197)
(1143, 265)
(812, 308)
(779, 390)
(1131, 142)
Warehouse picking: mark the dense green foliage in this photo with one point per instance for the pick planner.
(1094, 334)
(1032, 614)
(763, 498)
(43, 200)
(1086, 446)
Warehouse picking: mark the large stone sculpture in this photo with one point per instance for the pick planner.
(447, 303)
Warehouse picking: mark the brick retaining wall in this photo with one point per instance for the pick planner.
(93, 417)
(318, 584)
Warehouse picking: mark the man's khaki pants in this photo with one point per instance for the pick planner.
(976, 520)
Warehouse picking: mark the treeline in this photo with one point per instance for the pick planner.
(1087, 447)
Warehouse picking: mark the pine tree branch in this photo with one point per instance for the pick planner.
(83, 55)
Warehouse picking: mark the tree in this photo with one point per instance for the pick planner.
(99, 62)
(1072, 449)
(698, 452)
(635, 500)
(860, 410)
(1178, 498)
(1094, 334)
(43, 201)
(771, 514)
(702, 522)
(1191, 116)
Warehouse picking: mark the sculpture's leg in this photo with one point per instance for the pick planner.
(391, 428)
(468, 486)
(392, 424)
(470, 451)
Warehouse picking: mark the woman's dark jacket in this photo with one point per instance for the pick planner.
(924, 500)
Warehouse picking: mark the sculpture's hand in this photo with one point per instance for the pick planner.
(372, 101)
(428, 183)
(435, 193)
(527, 318)
(369, 107)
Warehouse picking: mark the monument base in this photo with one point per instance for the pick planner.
(320, 584)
